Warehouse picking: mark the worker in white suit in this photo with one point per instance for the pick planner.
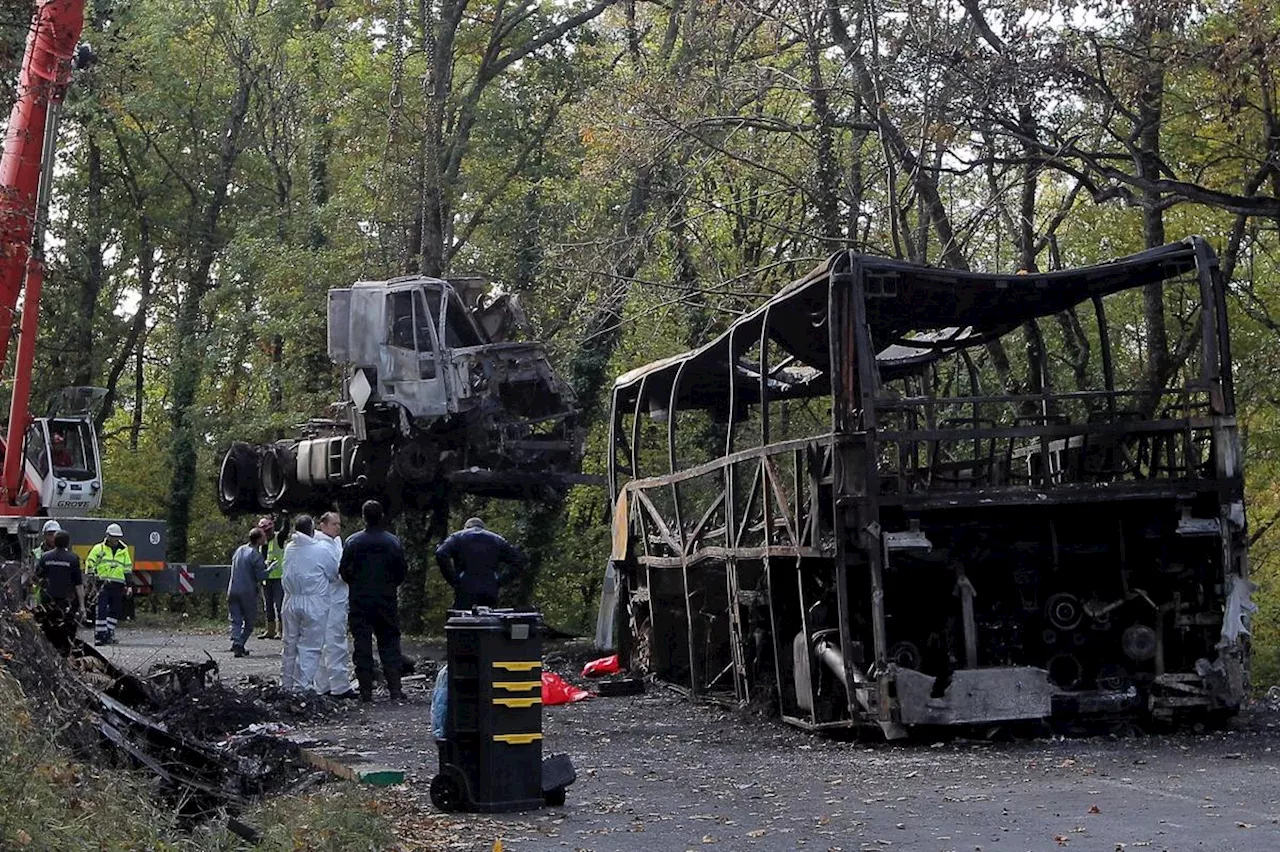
(310, 565)
(334, 675)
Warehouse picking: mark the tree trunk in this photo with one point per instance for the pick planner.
(189, 356)
(138, 326)
(826, 192)
(139, 388)
(82, 338)
(321, 138)
(1152, 28)
(588, 368)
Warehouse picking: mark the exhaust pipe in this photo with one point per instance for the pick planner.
(829, 652)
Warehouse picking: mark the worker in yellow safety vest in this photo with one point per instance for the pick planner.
(272, 587)
(110, 562)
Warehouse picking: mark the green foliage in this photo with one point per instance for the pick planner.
(55, 802)
(338, 818)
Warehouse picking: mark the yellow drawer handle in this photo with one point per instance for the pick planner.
(517, 685)
(518, 702)
(516, 739)
(518, 665)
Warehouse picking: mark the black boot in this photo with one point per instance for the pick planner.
(393, 687)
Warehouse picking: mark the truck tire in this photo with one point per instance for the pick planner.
(277, 474)
(238, 479)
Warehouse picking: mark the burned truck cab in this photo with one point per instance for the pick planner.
(433, 399)
(898, 496)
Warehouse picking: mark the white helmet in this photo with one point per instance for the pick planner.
(114, 531)
(51, 526)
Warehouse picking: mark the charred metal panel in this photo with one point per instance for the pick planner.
(975, 696)
(954, 500)
(340, 325)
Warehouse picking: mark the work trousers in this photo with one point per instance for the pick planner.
(57, 617)
(303, 634)
(272, 601)
(381, 619)
(241, 609)
(110, 608)
(334, 674)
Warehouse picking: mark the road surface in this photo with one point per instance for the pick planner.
(658, 773)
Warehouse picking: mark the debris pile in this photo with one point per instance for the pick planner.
(52, 685)
(209, 745)
(213, 712)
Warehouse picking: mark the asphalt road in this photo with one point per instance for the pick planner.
(659, 773)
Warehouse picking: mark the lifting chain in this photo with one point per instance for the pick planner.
(397, 71)
(432, 130)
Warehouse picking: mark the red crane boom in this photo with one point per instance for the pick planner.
(24, 171)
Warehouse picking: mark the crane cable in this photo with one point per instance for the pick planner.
(395, 101)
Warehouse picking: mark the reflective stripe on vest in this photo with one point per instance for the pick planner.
(110, 565)
(275, 559)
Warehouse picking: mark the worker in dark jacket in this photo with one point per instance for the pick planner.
(477, 562)
(373, 565)
(62, 592)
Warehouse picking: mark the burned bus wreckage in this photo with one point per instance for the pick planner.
(848, 505)
(436, 400)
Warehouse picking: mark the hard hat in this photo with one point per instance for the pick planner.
(114, 531)
(51, 526)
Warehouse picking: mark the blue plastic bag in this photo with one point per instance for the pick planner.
(439, 701)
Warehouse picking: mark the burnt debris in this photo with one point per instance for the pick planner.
(209, 746)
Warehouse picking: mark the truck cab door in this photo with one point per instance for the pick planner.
(409, 373)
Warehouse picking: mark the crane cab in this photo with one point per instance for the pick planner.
(64, 463)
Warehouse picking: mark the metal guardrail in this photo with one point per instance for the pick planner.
(202, 579)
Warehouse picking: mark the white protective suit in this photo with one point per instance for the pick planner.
(309, 567)
(334, 674)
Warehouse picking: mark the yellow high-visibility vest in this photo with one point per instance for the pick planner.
(275, 559)
(110, 565)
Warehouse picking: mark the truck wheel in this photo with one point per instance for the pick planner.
(238, 479)
(278, 485)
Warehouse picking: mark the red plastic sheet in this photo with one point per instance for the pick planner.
(555, 690)
(602, 666)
